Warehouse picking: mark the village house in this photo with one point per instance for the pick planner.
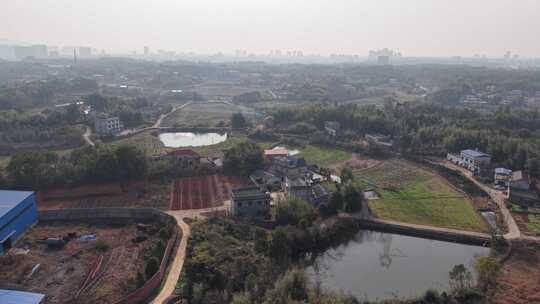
(502, 176)
(380, 140)
(473, 160)
(299, 188)
(276, 152)
(106, 125)
(250, 202)
(285, 166)
(332, 127)
(305, 189)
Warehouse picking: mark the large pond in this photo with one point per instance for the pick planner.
(188, 139)
(376, 266)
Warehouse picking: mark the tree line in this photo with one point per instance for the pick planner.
(100, 164)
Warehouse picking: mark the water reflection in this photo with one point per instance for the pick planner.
(189, 139)
(376, 265)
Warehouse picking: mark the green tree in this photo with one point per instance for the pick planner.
(261, 240)
(488, 269)
(98, 102)
(73, 113)
(460, 277)
(32, 170)
(152, 266)
(336, 201)
(238, 121)
(346, 175)
(243, 158)
(132, 162)
(352, 198)
(279, 248)
(241, 298)
(291, 288)
(293, 211)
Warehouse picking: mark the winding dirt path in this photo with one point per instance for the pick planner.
(180, 253)
(176, 267)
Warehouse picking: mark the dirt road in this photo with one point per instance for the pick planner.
(86, 136)
(180, 254)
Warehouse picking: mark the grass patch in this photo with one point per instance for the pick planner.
(152, 145)
(534, 223)
(323, 156)
(145, 141)
(204, 115)
(415, 195)
(4, 161)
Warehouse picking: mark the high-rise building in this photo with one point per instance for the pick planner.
(146, 51)
(6, 52)
(383, 60)
(85, 51)
(36, 51)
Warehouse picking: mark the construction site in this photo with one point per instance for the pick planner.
(91, 256)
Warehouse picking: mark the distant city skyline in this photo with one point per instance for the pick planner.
(414, 27)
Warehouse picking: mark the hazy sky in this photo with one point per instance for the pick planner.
(414, 27)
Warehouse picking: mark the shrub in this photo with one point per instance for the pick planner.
(101, 246)
(152, 266)
(293, 211)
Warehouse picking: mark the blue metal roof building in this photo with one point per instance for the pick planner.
(20, 297)
(18, 212)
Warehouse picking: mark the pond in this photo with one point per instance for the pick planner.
(189, 139)
(377, 266)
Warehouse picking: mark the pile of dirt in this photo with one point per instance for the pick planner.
(520, 282)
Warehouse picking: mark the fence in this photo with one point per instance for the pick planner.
(145, 291)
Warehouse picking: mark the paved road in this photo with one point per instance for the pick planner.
(497, 196)
(86, 136)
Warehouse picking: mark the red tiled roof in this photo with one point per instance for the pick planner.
(184, 152)
(275, 152)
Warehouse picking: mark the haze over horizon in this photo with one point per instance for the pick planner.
(415, 27)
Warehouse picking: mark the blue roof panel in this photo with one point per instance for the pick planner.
(9, 199)
(20, 297)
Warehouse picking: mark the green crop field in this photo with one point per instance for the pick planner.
(323, 156)
(534, 223)
(415, 195)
